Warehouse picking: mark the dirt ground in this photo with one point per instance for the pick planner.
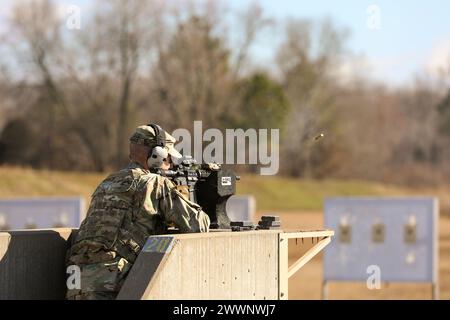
(306, 283)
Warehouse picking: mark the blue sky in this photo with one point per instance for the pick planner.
(414, 36)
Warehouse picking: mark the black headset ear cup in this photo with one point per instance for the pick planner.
(160, 135)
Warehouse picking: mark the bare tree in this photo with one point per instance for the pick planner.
(304, 59)
(89, 76)
(198, 68)
(192, 74)
(130, 28)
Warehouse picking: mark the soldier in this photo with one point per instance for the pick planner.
(126, 208)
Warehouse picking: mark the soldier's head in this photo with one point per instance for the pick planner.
(152, 147)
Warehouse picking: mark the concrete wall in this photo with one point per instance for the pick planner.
(219, 265)
(32, 264)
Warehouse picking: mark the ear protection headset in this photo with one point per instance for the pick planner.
(158, 154)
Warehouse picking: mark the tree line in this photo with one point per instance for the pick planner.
(69, 99)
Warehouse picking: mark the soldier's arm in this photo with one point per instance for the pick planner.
(176, 208)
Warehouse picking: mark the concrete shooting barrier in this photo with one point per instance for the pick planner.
(216, 265)
(32, 264)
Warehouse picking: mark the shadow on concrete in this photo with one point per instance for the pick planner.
(32, 264)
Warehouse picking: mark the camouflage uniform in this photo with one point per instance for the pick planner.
(126, 208)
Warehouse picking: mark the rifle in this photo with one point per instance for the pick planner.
(208, 185)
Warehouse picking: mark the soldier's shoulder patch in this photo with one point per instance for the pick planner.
(139, 171)
(117, 182)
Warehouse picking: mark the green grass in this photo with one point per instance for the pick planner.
(287, 194)
(271, 192)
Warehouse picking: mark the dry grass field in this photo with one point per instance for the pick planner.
(298, 202)
(272, 193)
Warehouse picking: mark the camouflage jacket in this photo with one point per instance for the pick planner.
(126, 208)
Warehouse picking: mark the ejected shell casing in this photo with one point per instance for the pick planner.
(319, 136)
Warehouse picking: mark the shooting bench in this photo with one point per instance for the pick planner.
(218, 265)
